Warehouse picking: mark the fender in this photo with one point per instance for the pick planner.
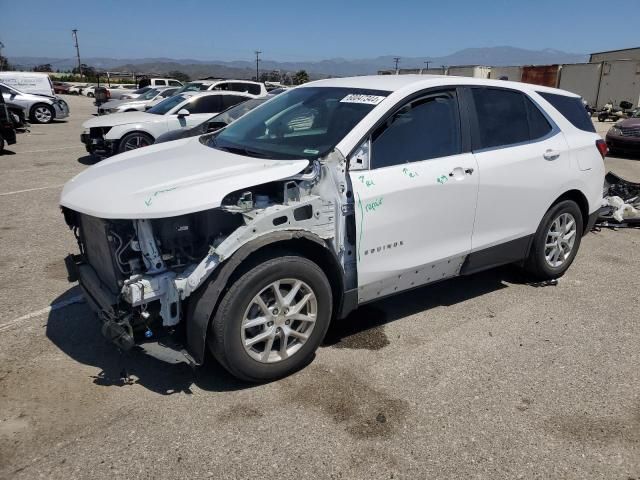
(203, 302)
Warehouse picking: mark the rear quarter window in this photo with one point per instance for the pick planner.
(572, 109)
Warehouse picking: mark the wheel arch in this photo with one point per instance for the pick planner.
(202, 304)
(578, 197)
(36, 105)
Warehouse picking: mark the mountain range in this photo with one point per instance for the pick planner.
(492, 56)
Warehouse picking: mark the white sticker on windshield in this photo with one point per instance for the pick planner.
(360, 98)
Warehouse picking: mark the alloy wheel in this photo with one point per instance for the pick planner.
(560, 239)
(279, 320)
(137, 141)
(42, 114)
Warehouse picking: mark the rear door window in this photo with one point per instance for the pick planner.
(231, 100)
(175, 83)
(572, 109)
(159, 83)
(207, 104)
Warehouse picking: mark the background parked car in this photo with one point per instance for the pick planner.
(140, 104)
(90, 91)
(624, 136)
(77, 89)
(61, 87)
(120, 132)
(117, 91)
(247, 86)
(40, 108)
(135, 93)
(215, 123)
(7, 126)
(159, 82)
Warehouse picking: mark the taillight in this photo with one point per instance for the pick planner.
(601, 145)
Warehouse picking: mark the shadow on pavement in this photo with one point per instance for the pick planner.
(7, 152)
(89, 159)
(76, 331)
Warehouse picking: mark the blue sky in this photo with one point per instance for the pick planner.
(302, 30)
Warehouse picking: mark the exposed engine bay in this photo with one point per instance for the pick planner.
(137, 273)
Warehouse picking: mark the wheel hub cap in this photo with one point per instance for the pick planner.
(560, 240)
(279, 320)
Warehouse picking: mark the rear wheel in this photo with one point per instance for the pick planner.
(42, 113)
(1, 144)
(272, 319)
(134, 140)
(556, 242)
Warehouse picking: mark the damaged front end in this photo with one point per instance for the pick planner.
(137, 274)
(620, 204)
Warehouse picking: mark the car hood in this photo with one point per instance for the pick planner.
(167, 180)
(628, 122)
(114, 103)
(122, 119)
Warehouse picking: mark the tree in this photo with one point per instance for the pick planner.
(45, 67)
(178, 75)
(300, 77)
(4, 64)
(87, 71)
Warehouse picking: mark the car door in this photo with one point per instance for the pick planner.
(415, 205)
(522, 160)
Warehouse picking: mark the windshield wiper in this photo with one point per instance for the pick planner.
(243, 151)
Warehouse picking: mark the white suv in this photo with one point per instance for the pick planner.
(252, 239)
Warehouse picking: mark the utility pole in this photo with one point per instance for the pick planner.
(257, 52)
(396, 59)
(427, 62)
(1, 57)
(74, 32)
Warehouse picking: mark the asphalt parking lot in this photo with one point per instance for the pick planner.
(480, 377)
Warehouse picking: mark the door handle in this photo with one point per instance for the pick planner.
(459, 170)
(551, 154)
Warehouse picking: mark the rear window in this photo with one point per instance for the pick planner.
(572, 109)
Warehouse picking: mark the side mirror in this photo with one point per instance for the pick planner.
(360, 158)
(183, 113)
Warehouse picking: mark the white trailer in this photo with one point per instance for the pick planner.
(513, 74)
(582, 79)
(620, 81)
(475, 71)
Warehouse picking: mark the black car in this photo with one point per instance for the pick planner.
(218, 121)
(7, 127)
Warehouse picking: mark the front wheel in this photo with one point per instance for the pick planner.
(272, 319)
(556, 241)
(42, 113)
(135, 140)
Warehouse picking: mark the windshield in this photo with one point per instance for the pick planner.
(192, 87)
(142, 90)
(148, 95)
(305, 122)
(167, 104)
(636, 113)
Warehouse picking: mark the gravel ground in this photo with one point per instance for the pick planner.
(478, 377)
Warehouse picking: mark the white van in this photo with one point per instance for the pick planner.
(28, 82)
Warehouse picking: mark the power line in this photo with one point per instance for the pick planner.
(74, 32)
(257, 52)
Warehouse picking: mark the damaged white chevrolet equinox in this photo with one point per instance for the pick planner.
(250, 240)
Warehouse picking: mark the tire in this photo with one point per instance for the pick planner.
(1, 144)
(129, 141)
(42, 113)
(90, 95)
(602, 118)
(228, 334)
(549, 259)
